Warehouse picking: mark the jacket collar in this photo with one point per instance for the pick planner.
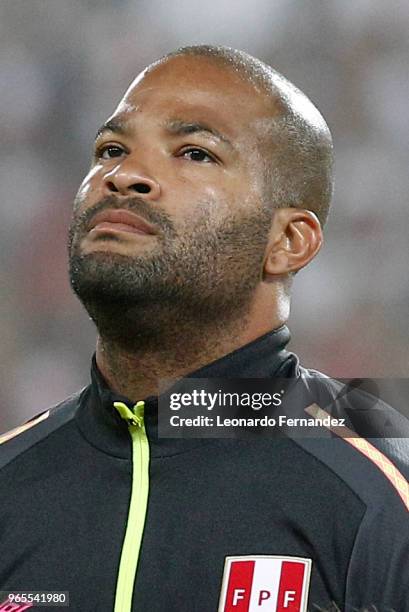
(101, 424)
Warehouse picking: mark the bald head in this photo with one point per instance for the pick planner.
(202, 146)
(296, 142)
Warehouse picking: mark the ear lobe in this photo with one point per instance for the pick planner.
(295, 239)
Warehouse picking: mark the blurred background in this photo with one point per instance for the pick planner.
(63, 67)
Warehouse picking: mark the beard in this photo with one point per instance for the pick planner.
(202, 275)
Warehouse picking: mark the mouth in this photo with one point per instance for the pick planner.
(112, 221)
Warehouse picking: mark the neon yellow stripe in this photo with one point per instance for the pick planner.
(137, 507)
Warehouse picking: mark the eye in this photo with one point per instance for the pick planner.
(108, 151)
(197, 155)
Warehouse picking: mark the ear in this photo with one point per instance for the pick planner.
(295, 239)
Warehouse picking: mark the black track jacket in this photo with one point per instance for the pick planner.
(94, 503)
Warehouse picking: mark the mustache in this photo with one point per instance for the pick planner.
(160, 220)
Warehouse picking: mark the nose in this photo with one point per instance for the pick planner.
(127, 180)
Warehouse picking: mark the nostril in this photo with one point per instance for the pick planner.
(111, 186)
(141, 188)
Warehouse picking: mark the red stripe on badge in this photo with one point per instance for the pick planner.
(291, 587)
(239, 587)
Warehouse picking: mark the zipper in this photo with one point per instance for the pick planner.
(137, 507)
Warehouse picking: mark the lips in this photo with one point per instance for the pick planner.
(120, 220)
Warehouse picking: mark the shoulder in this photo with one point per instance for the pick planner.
(365, 415)
(360, 438)
(370, 454)
(15, 442)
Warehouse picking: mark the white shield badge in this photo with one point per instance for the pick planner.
(263, 583)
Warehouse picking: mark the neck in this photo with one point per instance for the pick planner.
(135, 371)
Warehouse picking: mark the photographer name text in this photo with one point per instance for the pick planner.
(280, 421)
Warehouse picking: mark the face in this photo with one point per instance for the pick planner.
(172, 209)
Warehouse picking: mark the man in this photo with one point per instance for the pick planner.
(208, 190)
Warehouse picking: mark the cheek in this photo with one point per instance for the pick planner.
(225, 193)
(213, 208)
(224, 200)
(87, 186)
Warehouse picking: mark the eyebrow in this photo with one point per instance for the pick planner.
(178, 127)
(116, 125)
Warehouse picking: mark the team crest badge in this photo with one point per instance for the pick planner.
(264, 583)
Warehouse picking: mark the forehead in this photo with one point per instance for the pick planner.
(196, 88)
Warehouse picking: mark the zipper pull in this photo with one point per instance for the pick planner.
(132, 416)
